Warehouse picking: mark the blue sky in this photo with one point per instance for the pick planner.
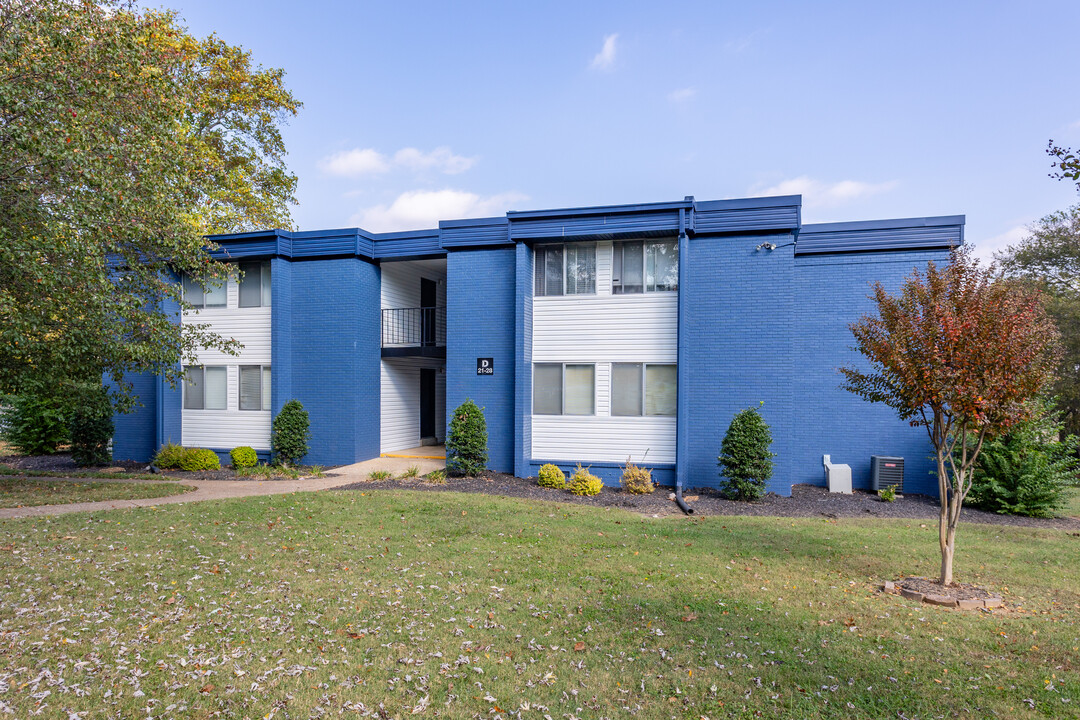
(417, 111)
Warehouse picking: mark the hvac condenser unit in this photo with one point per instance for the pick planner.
(886, 471)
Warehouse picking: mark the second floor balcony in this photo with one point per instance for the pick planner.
(419, 331)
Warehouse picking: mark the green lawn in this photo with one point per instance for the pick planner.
(459, 606)
(24, 492)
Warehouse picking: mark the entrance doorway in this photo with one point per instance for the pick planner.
(427, 406)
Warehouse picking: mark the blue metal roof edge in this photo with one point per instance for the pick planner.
(748, 203)
(891, 224)
(601, 210)
(901, 234)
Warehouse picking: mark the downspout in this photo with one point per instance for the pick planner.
(681, 421)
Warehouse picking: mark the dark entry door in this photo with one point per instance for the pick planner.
(427, 303)
(427, 403)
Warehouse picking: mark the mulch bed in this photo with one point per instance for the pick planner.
(805, 501)
(62, 463)
(958, 595)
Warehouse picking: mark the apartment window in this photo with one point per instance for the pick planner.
(643, 389)
(255, 284)
(205, 387)
(196, 296)
(645, 266)
(564, 389)
(254, 387)
(565, 269)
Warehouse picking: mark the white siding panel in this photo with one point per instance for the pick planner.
(603, 268)
(401, 282)
(614, 328)
(250, 326)
(603, 439)
(226, 429)
(400, 401)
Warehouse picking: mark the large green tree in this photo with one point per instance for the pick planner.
(123, 142)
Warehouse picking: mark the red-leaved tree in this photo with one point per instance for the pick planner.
(959, 351)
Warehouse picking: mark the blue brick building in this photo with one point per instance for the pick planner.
(591, 335)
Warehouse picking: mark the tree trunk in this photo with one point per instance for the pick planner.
(947, 550)
(946, 532)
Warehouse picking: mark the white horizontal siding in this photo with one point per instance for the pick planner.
(603, 268)
(568, 438)
(400, 402)
(249, 326)
(612, 328)
(400, 286)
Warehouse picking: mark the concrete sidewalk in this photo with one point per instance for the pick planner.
(222, 489)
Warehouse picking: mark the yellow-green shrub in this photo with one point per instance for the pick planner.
(196, 459)
(170, 456)
(583, 482)
(551, 477)
(636, 480)
(243, 457)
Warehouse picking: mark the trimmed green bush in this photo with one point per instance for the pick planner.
(91, 426)
(551, 477)
(583, 482)
(243, 457)
(290, 433)
(466, 444)
(170, 456)
(1029, 470)
(196, 459)
(36, 423)
(636, 480)
(745, 460)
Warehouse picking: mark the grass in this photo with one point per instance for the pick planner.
(377, 475)
(8, 470)
(394, 603)
(25, 492)
(410, 472)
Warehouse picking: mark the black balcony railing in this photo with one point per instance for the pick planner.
(414, 327)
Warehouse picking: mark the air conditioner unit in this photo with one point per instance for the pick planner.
(886, 471)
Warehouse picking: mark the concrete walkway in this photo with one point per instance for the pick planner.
(222, 489)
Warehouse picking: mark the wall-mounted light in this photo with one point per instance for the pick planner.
(766, 246)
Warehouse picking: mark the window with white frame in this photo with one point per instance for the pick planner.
(205, 387)
(568, 269)
(254, 387)
(564, 389)
(644, 266)
(255, 284)
(643, 389)
(209, 296)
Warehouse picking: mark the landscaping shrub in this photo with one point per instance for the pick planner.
(887, 494)
(438, 477)
(377, 475)
(290, 433)
(583, 482)
(551, 477)
(36, 423)
(636, 480)
(411, 472)
(196, 459)
(466, 444)
(243, 457)
(745, 460)
(91, 426)
(170, 456)
(1028, 471)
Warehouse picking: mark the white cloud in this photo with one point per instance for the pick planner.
(820, 194)
(368, 161)
(605, 59)
(986, 248)
(420, 209)
(682, 94)
(351, 163)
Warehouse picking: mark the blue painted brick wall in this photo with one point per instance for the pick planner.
(334, 321)
(738, 315)
(523, 354)
(480, 321)
(281, 345)
(831, 293)
(136, 432)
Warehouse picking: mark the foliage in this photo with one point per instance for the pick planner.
(1028, 471)
(36, 422)
(745, 459)
(437, 476)
(125, 141)
(380, 475)
(1065, 163)
(551, 476)
(636, 480)
(412, 471)
(960, 351)
(170, 456)
(466, 444)
(91, 426)
(887, 494)
(583, 482)
(1049, 256)
(197, 459)
(290, 433)
(243, 457)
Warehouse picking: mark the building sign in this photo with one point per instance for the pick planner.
(485, 366)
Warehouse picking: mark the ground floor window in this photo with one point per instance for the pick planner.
(643, 389)
(205, 387)
(564, 389)
(254, 387)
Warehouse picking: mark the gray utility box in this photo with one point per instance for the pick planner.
(886, 471)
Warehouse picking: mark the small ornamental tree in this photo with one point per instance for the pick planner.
(91, 425)
(466, 444)
(960, 351)
(290, 433)
(745, 459)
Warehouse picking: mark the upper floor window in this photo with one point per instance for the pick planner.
(255, 284)
(210, 297)
(205, 387)
(645, 266)
(565, 269)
